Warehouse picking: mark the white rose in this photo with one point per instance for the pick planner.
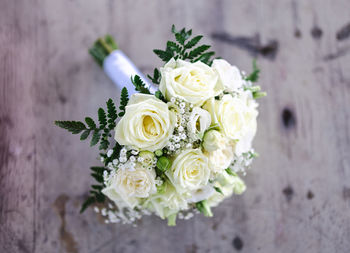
(189, 171)
(131, 185)
(245, 142)
(213, 140)
(147, 123)
(167, 202)
(229, 76)
(234, 115)
(221, 158)
(199, 121)
(193, 82)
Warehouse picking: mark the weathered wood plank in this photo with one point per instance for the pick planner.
(298, 197)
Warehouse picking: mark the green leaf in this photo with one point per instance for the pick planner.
(97, 187)
(75, 127)
(198, 51)
(164, 55)
(84, 135)
(205, 58)
(204, 208)
(230, 172)
(98, 169)
(173, 47)
(98, 177)
(218, 190)
(254, 76)
(95, 138)
(140, 86)
(160, 96)
(102, 118)
(90, 122)
(180, 38)
(124, 99)
(111, 113)
(89, 201)
(193, 41)
(259, 94)
(103, 144)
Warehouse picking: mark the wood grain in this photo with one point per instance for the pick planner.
(298, 197)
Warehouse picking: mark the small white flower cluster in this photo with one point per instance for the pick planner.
(180, 138)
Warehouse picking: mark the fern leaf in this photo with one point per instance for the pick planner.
(124, 99)
(90, 122)
(156, 76)
(254, 76)
(193, 41)
(198, 51)
(102, 118)
(140, 86)
(75, 127)
(180, 38)
(98, 177)
(95, 138)
(84, 135)
(111, 113)
(164, 55)
(205, 58)
(172, 46)
(88, 202)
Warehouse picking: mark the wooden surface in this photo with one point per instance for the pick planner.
(298, 197)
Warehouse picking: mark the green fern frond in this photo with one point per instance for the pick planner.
(124, 99)
(140, 86)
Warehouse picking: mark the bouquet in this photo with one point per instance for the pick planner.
(181, 143)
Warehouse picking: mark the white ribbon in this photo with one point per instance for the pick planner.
(119, 68)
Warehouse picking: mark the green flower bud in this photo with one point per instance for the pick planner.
(238, 186)
(159, 152)
(163, 164)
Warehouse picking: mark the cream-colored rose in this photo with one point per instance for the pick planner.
(167, 202)
(147, 123)
(189, 171)
(198, 122)
(213, 140)
(221, 158)
(234, 115)
(131, 185)
(245, 142)
(193, 82)
(229, 76)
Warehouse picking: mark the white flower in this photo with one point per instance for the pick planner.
(199, 121)
(128, 186)
(229, 76)
(167, 202)
(147, 123)
(221, 158)
(228, 184)
(192, 82)
(189, 171)
(201, 194)
(235, 116)
(147, 158)
(213, 140)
